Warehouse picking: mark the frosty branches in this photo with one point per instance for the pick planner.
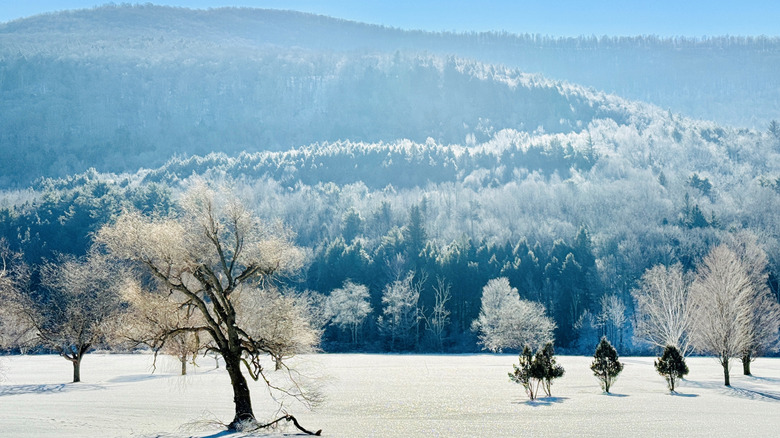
(722, 296)
(506, 321)
(663, 308)
(218, 259)
(400, 315)
(349, 306)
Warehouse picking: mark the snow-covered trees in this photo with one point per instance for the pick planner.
(606, 366)
(506, 321)
(349, 308)
(663, 307)
(401, 314)
(671, 365)
(219, 258)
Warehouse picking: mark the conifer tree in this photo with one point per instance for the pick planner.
(606, 366)
(671, 365)
(546, 357)
(528, 373)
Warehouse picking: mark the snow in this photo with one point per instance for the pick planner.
(386, 396)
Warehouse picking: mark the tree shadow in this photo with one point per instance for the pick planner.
(750, 394)
(7, 390)
(545, 401)
(612, 394)
(774, 380)
(135, 378)
(682, 395)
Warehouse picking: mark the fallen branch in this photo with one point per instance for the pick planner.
(289, 418)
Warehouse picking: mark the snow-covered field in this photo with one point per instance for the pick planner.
(387, 396)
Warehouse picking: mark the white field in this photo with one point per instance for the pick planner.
(387, 396)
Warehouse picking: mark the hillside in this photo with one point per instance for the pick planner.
(121, 87)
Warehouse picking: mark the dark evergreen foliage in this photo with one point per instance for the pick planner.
(606, 366)
(671, 365)
(536, 371)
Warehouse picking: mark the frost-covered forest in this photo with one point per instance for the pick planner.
(403, 162)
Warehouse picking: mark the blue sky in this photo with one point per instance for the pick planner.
(694, 18)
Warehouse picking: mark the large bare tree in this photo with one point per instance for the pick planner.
(663, 307)
(722, 296)
(219, 258)
(763, 325)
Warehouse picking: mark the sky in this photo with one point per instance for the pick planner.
(666, 18)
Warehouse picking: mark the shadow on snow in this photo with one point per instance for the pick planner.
(7, 390)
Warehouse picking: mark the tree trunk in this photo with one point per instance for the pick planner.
(241, 398)
(183, 360)
(76, 369)
(726, 379)
(746, 358)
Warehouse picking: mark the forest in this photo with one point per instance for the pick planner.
(396, 170)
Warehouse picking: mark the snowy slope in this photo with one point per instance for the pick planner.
(387, 396)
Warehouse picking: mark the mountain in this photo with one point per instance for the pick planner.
(123, 87)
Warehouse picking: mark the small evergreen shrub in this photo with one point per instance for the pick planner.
(671, 365)
(536, 370)
(552, 371)
(606, 366)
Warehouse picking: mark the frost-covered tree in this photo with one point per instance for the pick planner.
(723, 296)
(150, 315)
(763, 323)
(506, 321)
(400, 313)
(437, 322)
(671, 365)
(221, 259)
(349, 307)
(15, 331)
(612, 318)
(79, 310)
(663, 307)
(606, 366)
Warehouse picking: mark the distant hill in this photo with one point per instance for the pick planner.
(123, 87)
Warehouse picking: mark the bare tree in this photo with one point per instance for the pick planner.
(220, 259)
(763, 326)
(506, 321)
(78, 310)
(663, 308)
(436, 324)
(612, 318)
(400, 317)
(150, 314)
(722, 296)
(349, 307)
(14, 276)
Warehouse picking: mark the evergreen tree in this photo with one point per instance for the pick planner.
(529, 372)
(671, 365)
(551, 370)
(606, 366)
